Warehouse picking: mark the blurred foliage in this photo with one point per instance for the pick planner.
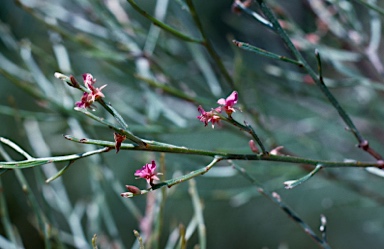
(138, 61)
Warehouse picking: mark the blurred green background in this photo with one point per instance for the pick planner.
(113, 42)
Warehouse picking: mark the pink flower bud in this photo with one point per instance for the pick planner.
(133, 189)
(253, 147)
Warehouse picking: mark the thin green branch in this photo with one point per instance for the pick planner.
(371, 6)
(114, 113)
(122, 131)
(258, 17)
(363, 144)
(265, 53)
(14, 146)
(284, 36)
(293, 183)
(198, 209)
(174, 181)
(247, 128)
(209, 45)
(60, 172)
(163, 147)
(276, 199)
(10, 230)
(42, 223)
(172, 91)
(162, 25)
(33, 162)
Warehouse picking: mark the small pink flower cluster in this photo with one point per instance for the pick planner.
(226, 105)
(88, 98)
(147, 172)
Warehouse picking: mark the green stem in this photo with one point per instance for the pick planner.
(293, 183)
(371, 6)
(33, 162)
(114, 113)
(10, 231)
(123, 131)
(198, 210)
(192, 174)
(281, 32)
(259, 18)
(162, 147)
(162, 25)
(265, 53)
(246, 128)
(172, 91)
(208, 44)
(276, 199)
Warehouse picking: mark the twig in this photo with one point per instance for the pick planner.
(265, 53)
(371, 6)
(208, 44)
(198, 209)
(162, 25)
(162, 147)
(33, 162)
(275, 198)
(281, 32)
(363, 144)
(122, 131)
(293, 183)
(247, 128)
(258, 17)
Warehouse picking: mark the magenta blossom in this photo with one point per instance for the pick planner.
(228, 103)
(88, 80)
(84, 102)
(210, 116)
(89, 97)
(147, 172)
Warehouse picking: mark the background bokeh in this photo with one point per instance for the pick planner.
(113, 42)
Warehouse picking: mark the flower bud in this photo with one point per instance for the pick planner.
(133, 189)
(253, 147)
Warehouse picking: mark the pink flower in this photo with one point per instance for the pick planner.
(88, 79)
(228, 103)
(210, 116)
(147, 172)
(88, 98)
(96, 93)
(84, 102)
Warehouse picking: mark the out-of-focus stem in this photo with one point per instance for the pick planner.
(283, 35)
(208, 44)
(162, 25)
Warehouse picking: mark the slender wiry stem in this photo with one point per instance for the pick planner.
(281, 32)
(208, 44)
(247, 128)
(276, 199)
(371, 6)
(198, 209)
(265, 53)
(123, 131)
(162, 147)
(162, 25)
